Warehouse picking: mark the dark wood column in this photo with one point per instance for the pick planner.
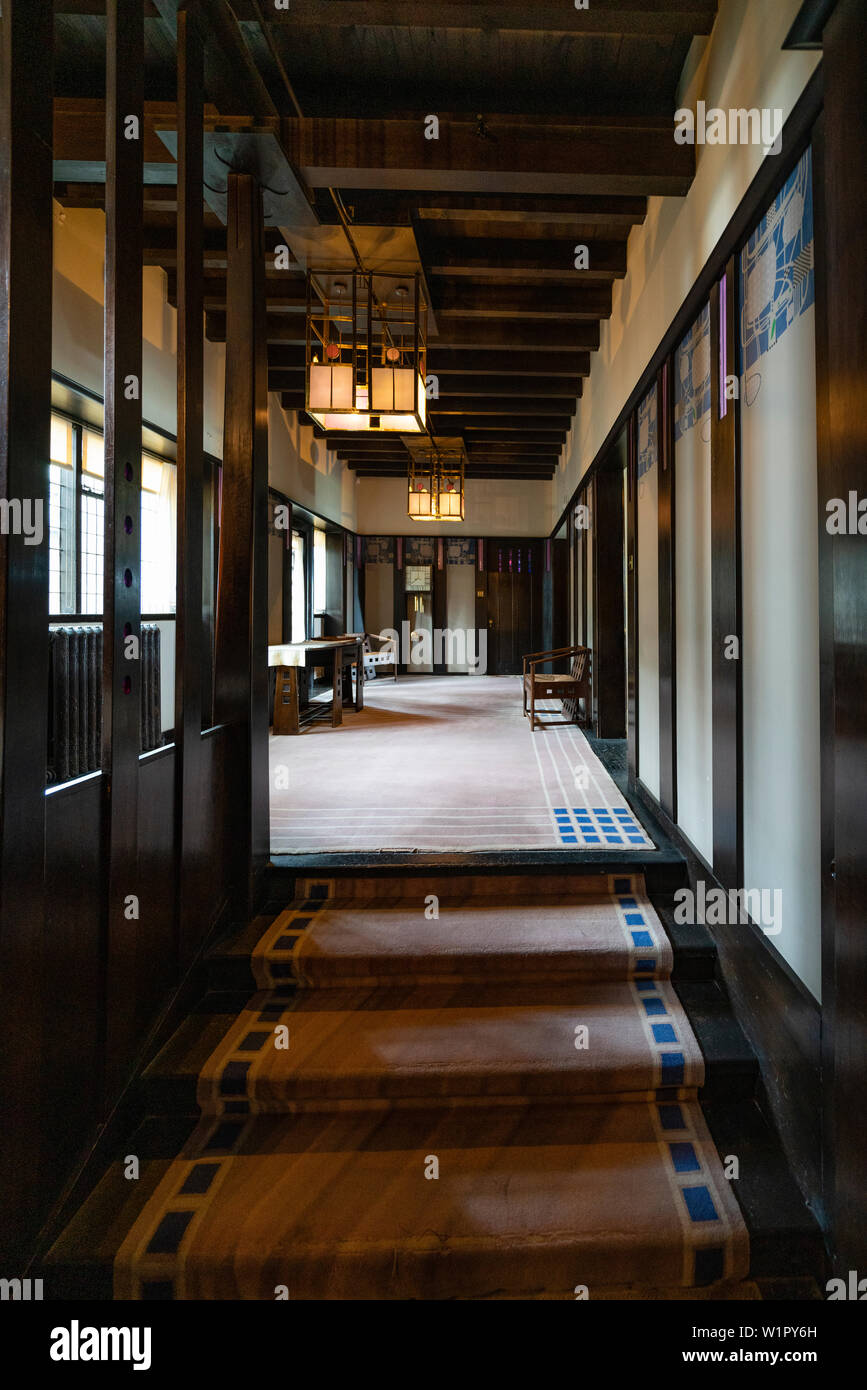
(286, 628)
(725, 589)
(241, 667)
(609, 657)
(440, 599)
(632, 596)
(189, 629)
(121, 716)
(26, 35)
(840, 202)
(666, 580)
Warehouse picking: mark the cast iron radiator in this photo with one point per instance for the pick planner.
(75, 698)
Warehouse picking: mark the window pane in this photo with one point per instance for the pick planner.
(61, 440)
(93, 454)
(158, 536)
(92, 511)
(319, 599)
(61, 538)
(299, 604)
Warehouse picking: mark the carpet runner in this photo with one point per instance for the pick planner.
(498, 1101)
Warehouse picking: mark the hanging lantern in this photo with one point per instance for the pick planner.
(436, 478)
(422, 496)
(451, 460)
(366, 349)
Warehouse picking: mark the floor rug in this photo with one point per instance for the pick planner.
(444, 763)
(494, 1100)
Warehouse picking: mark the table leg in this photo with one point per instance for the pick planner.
(337, 691)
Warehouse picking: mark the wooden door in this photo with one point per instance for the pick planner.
(514, 603)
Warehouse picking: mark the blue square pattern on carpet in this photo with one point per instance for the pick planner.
(598, 825)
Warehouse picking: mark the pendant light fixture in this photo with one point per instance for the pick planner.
(436, 478)
(366, 350)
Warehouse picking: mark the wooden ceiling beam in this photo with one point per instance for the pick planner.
(510, 259)
(639, 17)
(379, 207)
(493, 385)
(518, 335)
(461, 300)
(614, 156)
(502, 405)
(544, 366)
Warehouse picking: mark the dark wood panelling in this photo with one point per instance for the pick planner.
(189, 628)
(725, 595)
(666, 582)
(440, 600)
(155, 959)
(335, 588)
(841, 203)
(399, 574)
(73, 1005)
(609, 655)
(25, 403)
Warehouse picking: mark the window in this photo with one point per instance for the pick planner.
(76, 522)
(299, 589)
(319, 591)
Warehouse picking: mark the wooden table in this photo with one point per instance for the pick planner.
(291, 657)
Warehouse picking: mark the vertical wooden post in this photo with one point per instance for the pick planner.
(121, 716)
(632, 596)
(189, 632)
(665, 589)
(241, 667)
(840, 202)
(26, 183)
(609, 656)
(286, 628)
(725, 590)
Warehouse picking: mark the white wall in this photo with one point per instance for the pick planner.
(77, 327)
(494, 507)
(780, 639)
(306, 471)
(742, 65)
(461, 605)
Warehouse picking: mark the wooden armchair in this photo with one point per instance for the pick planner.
(383, 654)
(569, 686)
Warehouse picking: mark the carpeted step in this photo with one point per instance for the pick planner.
(530, 1200)
(435, 1043)
(604, 928)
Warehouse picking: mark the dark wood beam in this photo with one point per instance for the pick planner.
(26, 66)
(540, 366)
(500, 405)
(515, 335)
(496, 385)
(381, 207)
(512, 259)
(626, 156)
(653, 18)
(121, 676)
(461, 300)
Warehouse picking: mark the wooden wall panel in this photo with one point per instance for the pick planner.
(73, 1002)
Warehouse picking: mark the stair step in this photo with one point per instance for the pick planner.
(432, 1043)
(602, 929)
(530, 1200)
